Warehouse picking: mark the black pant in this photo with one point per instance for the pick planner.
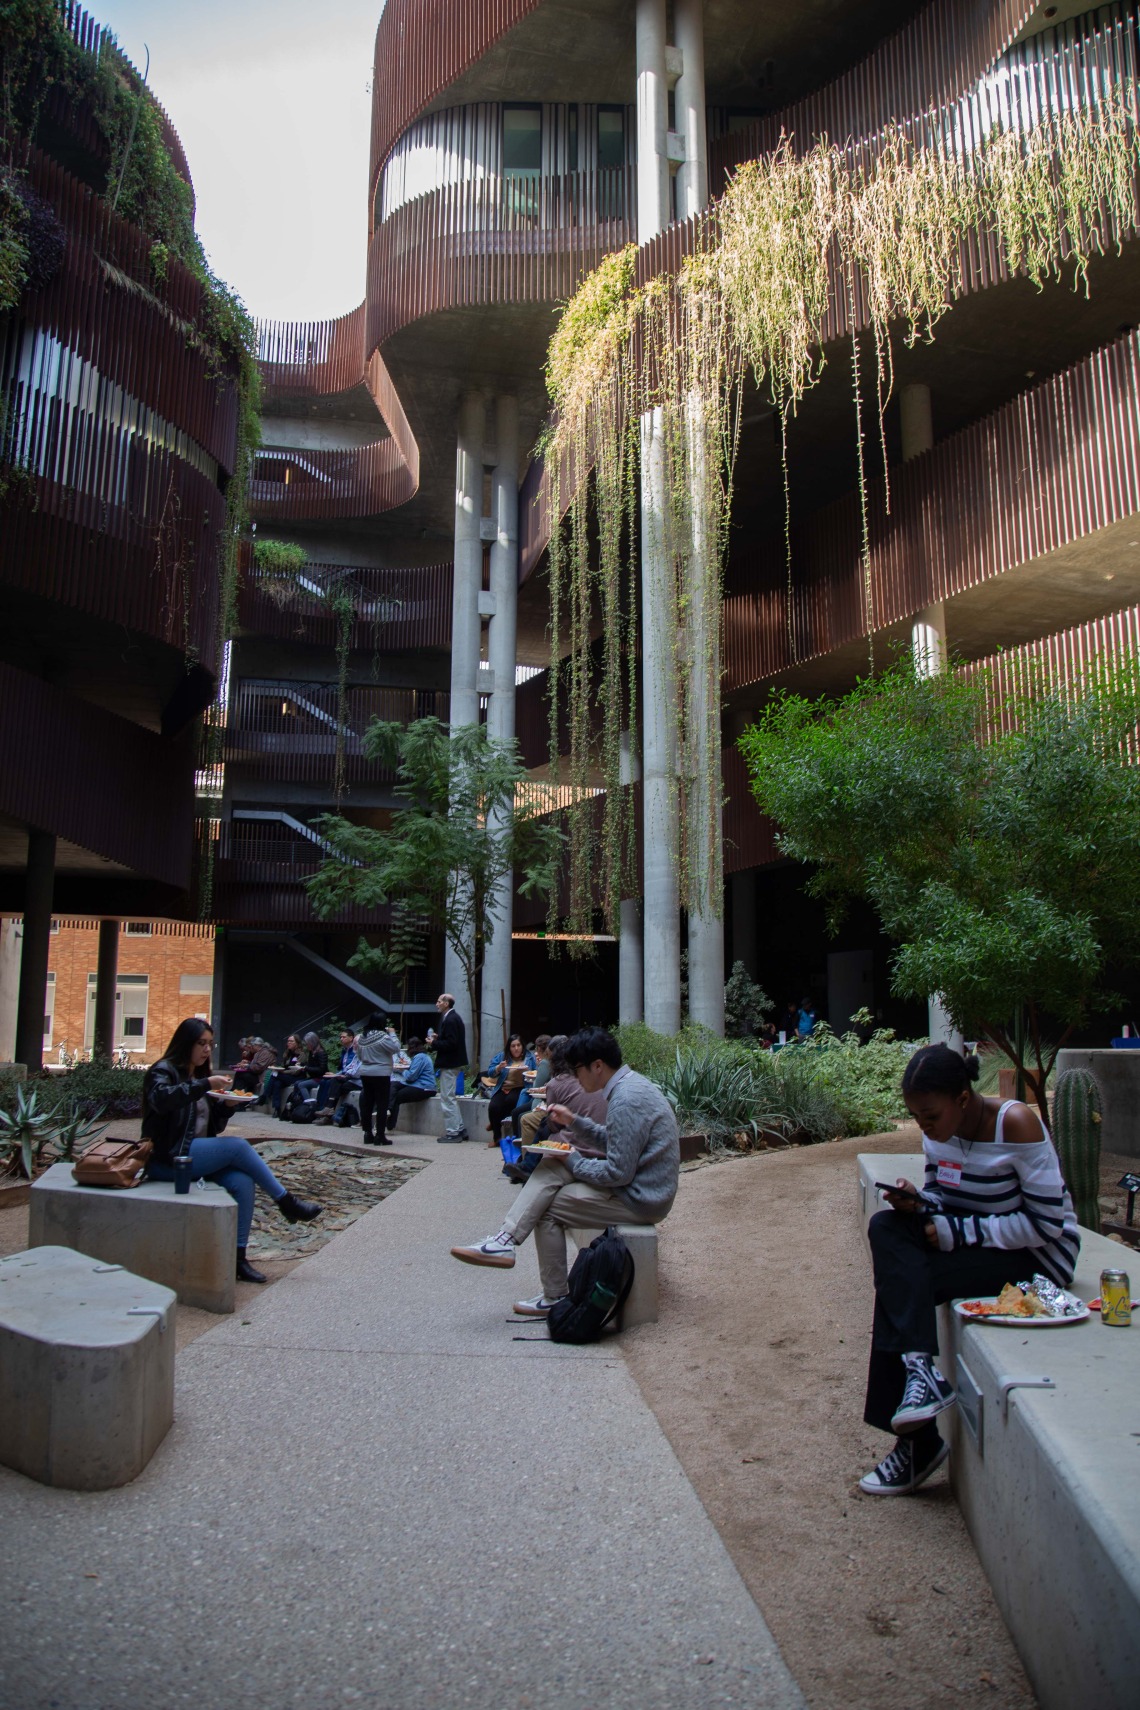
(911, 1279)
(500, 1106)
(405, 1095)
(374, 1097)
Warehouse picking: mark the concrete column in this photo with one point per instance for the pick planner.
(927, 638)
(706, 859)
(662, 924)
(38, 888)
(224, 1053)
(631, 967)
(106, 984)
(689, 101)
(501, 655)
(466, 634)
(11, 937)
(653, 187)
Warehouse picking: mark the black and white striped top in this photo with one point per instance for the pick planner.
(994, 1194)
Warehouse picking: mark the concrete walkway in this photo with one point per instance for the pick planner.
(382, 1488)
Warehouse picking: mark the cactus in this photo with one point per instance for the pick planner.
(1076, 1129)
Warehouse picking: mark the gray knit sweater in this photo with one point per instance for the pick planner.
(642, 1164)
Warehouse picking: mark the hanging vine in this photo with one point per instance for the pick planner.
(343, 608)
(882, 230)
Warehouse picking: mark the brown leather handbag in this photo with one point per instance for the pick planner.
(113, 1163)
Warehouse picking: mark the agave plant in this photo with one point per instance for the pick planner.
(719, 1096)
(77, 1129)
(24, 1133)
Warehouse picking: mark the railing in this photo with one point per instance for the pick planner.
(489, 240)
(1057, 464)
(327, 484)
(290, 730)
(259, 877)
(396, 610)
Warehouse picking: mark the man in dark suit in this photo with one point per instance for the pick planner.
(450, 1057)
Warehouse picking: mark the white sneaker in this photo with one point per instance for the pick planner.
(537, 1307)
(495, 1250)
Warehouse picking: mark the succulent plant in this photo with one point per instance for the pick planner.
(1076, 1130)
(24, 1132)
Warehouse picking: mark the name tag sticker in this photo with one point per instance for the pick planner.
(949, 1175)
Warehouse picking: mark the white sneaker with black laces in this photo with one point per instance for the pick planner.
(925, 1394)
(495, 1250)
(903, 1469)
(537, 1307)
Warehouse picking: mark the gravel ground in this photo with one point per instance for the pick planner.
(756, 1372)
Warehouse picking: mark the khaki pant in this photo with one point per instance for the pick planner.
(529, 1123)
(448, 1103)
(552, 1202)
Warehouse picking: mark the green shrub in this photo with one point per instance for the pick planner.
(94, 1089)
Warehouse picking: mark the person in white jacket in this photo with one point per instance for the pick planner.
(376, 1045)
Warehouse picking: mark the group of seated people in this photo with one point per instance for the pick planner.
(371, 1063)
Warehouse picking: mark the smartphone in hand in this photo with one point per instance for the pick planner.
(918, 1200)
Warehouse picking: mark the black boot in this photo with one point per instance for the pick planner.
(296, 1210)
(245, 1271)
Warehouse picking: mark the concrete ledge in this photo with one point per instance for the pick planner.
(641, 1239)
(86, 1369)
(422, 1118)
(473, 1115)
(187, 1242)
(1047, 1480)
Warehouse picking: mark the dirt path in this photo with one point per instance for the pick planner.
(756, 1372)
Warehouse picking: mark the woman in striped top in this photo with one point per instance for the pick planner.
(994, 1209)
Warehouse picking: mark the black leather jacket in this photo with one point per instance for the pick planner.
(170, 1109)
(451, 1042)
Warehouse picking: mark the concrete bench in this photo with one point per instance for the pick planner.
(641, 1239)
(186, 1241)
(1048, 1480)
(86, 1369)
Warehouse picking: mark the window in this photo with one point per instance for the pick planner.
(132, 993)
(522, 140)
(49, 1011)
(611, 137)
(139, 929)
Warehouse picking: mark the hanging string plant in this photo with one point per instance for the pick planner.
(882, 233)
(340, 602)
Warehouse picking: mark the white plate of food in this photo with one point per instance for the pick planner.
(1024, 1308)
(234, 1097)
(542, 1151)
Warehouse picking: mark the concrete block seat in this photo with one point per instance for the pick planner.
(1048, 1480)
(86, 1368)
(422, 1118)
(185, 1241)
(641, 1239)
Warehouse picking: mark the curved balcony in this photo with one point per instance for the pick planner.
(396, 610)
(490, 240)
(1054, 468)
(117, 431)
(1036, 81)
(259, 872)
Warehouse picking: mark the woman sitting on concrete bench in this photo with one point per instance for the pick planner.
(178, 1117)
(993, 1209)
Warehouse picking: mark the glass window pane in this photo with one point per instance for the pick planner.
(611, 136)
(522, 139)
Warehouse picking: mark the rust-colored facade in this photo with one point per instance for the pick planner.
(119, 436)
(1017, 522)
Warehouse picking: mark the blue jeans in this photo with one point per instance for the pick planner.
(234, 1165)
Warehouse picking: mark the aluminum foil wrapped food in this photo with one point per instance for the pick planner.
(1056, 1302)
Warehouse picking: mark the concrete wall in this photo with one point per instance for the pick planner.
(1118, 1077)
(1050, 1493)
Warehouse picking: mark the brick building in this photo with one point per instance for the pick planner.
(165, 973)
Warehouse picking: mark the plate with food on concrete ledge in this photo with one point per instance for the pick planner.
(1036, 1305)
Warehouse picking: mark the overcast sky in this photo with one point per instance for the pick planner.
(273, 107)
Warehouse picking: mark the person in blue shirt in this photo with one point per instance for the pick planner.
(805, 1022)
(338, 1083)
(506, 1084)
(418, 1082)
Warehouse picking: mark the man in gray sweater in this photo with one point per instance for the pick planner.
(632, 1180)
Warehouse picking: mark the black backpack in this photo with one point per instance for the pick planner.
(599, 1287)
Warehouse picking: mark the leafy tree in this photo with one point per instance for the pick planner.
(745, 1003)
(446, 855)
(997, 847)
